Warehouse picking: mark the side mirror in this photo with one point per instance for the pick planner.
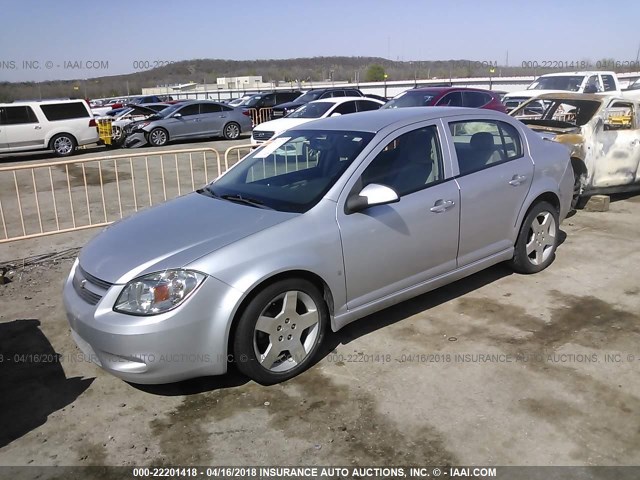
(370, 196)
(591, 88)
(177, 115)
(335, 114)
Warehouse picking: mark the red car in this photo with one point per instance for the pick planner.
(447, 97)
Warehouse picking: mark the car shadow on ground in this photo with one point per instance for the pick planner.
(32, 379)
(351, 332)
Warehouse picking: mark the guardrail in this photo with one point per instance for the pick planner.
(233, 155)
(66, 196)
(260, 115)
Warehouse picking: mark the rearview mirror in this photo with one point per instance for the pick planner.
(370, 196)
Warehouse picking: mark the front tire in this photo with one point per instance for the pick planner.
(158, 137)
(537, 240)
(63, 145)
(280, 331)
(231, 131)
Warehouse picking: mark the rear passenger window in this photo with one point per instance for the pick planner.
(18, 115)
(353, 93)
(475, 99)
(64, 111)
(482, 143)
(365, 106)
(210, 108)
(346, 107)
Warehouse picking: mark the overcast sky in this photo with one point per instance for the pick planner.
(120, 36)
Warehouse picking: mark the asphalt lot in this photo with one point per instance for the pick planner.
(496, 369)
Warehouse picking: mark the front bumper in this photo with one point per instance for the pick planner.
(187, 342)
(135, 140)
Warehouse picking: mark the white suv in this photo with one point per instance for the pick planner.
(58, 125)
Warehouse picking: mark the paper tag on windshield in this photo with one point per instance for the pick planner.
(271, 147)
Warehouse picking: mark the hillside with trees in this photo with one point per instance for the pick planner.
(278, 72)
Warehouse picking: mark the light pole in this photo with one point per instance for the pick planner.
(385, 85)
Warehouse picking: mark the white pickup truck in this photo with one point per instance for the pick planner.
(578, 82)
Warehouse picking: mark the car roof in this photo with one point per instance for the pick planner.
(338, 100)
(449, 89)
(375, 120)
(565, 74)
(331, 88)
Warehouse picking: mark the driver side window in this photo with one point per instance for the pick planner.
(409, 163)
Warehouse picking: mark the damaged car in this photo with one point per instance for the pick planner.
(130, 114)
(186, 120)
(602, 132)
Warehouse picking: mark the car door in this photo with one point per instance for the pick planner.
(617, 146)
(22, 129)
(388, 248)
(213, 118)
(494, 176)
(188, 124)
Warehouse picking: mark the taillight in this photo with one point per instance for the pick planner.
(92, 123)
(246, 112)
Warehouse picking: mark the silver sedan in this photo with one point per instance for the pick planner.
(327, 223)
(193, 119)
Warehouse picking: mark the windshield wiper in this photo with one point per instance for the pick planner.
(245, 200)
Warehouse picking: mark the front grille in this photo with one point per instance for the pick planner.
(88, 287)
(262, 135)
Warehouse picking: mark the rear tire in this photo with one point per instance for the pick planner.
(231, 131)
(280, 331)
(537, 240)
(63, 145)
(579, 200)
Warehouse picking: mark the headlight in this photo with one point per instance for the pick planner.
(157, 292)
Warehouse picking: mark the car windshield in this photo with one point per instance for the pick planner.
(252, 100)
(311, 110)
(572, 112)
(411, 99)
(635, 85)
(570, 83)
(309, 96)
(292, 172)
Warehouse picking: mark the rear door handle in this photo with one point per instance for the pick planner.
(442, 206)
(517, 180)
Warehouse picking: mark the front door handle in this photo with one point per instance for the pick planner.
(37, 127)
(517, 180)
(442, 206)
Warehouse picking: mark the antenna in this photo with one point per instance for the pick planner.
(638, 53)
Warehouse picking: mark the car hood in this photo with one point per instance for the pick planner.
(282, 124)
(172, 235)
(288, 105)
